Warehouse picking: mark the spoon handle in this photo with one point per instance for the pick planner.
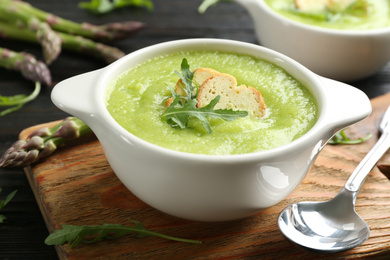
(365, 166)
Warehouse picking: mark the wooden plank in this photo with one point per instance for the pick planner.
(77, 186)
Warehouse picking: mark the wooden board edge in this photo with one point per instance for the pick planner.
(28, 172)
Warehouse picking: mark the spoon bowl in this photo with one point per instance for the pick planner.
(334, 226)
(329, 226)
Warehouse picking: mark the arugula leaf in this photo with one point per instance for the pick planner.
(5, 202)
(17, 101)
(105, 6)
(187, 76)
(358, 8)
(342, 138)
(179, 116)
(320, 16)
(179, 113)
(74, 235)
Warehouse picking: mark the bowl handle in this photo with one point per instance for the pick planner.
(75, 95)
(346, 104)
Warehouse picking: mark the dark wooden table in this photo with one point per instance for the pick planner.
(23, 233)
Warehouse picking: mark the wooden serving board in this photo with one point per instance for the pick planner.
(76, 186)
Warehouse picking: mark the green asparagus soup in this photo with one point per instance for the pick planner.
(357, 15)
(136, 101)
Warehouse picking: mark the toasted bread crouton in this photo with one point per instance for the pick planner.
(200, 76)
(312, 5)
(232, 96)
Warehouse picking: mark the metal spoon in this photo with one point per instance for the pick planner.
(334, 225)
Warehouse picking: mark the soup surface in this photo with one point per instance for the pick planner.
(377, 15)
(136, 101)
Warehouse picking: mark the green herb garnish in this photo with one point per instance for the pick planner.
(342, 138)
(105, 6)
(16, 102)
(183, 108)
(358, 8)
(91, 234)
(5, 202)
(333, 11)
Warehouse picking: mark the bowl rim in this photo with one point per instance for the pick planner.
(316, 88)
(319, 29)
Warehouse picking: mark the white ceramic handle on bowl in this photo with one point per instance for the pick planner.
(340, 112)
(74, 95)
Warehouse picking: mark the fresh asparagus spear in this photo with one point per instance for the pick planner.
(27, 64)
(97, 49)
(107, 32)
(49, 39)
(69, 42)
(43, 142)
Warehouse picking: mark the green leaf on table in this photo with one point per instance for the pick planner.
(342, 138)
(73, 234)
(5, 202)
(208, 3)
(16, 102)
(183, 108)
(105, 6)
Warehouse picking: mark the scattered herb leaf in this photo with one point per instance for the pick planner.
(18, 101)
(74, 235)
(342, 138)
(208, 3)
(105, 6)
(5, 202)
(179, 113)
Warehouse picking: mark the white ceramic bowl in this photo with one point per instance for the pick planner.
(205, 187)
(343, 55)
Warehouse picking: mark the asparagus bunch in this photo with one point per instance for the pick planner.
(43, 142)
(50, 41)
(19, 20)
(108, 32)
(27, 64)
(69, 42)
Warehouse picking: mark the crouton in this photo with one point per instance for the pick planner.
(312, 5)
(232, 96)
(200, 76)
(213, 83)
